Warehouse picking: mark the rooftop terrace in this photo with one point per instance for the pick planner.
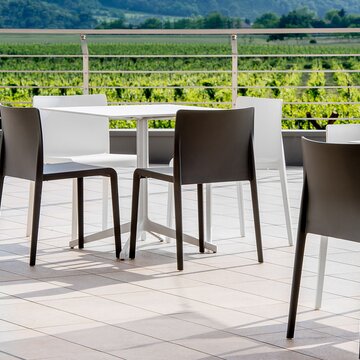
(85, 304)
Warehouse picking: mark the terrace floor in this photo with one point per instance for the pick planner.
(84, 304)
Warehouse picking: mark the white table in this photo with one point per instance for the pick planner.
(140, 113)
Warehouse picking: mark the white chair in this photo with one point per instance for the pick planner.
(269, 155)
(341, 133)
(79, 138)
(268, 148)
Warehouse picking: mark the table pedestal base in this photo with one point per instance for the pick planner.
(148, 226)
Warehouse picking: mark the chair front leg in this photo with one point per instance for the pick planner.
(321, 271)
(256, 213)
(80, 211)
(30, 208)
(295, 288)
(179, 229)
(201, 217)
(134, 213)
(35, 221)
(116, 212)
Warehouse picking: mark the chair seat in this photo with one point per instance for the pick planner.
(105, 159)
(73, 169)
(165, 173)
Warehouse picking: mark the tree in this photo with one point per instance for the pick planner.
(300, 18)
(151, 23)
(215, 21)
(267, 21)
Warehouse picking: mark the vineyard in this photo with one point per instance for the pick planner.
(322, 86)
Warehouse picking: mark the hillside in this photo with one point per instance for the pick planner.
(87, 13)
(237, 8)
(46, 14)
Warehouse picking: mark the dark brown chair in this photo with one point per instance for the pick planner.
(210, 146)
(22, 157)
(330, 204)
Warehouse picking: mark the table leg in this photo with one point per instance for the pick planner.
(142, 150)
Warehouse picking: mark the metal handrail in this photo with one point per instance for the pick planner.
(233, 72)
(247, 31)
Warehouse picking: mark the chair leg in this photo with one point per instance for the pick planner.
(80, 209)
(321, 271)
(30, 208)
(170, 209)
(179, 229)
(208, 218)
(116, 212)
(1, 188)
(255, 206)
(201, 217)
(35, 221)
(240, 199)
(105, 202)
(74, 211)
(299, 256)
(134, 214)
(285, 196)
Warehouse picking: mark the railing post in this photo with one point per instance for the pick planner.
(85, 57)
(234, 69)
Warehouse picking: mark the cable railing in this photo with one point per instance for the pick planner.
(318, 78)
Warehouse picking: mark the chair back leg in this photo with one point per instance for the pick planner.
(80, 209)
(134, 214)
(1, 187)
(105, 202)
(256, 213)
(240, 199)
(208, 217)
(115, 211)
(179, 228)
(74, 211)
(170, 210)
(35, 221)
(201, 217)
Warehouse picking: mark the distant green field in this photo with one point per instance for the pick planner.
(108, 74)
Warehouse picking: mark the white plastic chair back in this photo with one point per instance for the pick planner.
(67, 134)
(343, 133)
(268, 144)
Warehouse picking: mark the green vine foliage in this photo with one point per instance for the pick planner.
(184, 77)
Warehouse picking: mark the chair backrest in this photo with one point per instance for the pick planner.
(331, 194)
(268, 144)
(213, 146)
(21, 152)
(342, 133)
(67, 134)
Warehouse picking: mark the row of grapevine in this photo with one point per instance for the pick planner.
(311, 87)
